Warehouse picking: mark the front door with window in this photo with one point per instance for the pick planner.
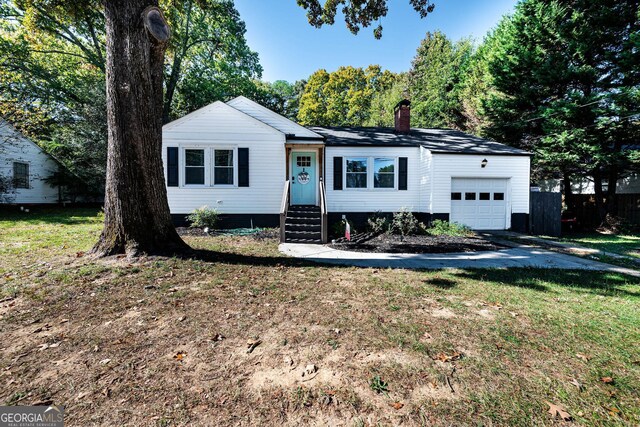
(303, 178)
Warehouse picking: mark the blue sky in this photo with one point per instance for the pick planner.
(290, 49)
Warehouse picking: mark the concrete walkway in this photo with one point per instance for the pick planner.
(521, 256)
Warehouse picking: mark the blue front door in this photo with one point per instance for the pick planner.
(303, 178)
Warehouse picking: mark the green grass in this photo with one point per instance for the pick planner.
(377, 336)
(628, 245)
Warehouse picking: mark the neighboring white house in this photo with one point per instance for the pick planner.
(629, 184)
(249, 163)
(26, 167)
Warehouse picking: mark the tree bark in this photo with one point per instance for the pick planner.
(137, 218)
(568, 193)
(612, 198)
(599, 196)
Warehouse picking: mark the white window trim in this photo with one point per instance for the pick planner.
(370, 173)
(209, 169)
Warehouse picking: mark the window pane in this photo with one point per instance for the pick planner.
(194, 157)
(20, 175)
(223, 176)
(303, 161)
(194, 175)
(469, 196)
(224, 158)
(383, 180)
(456, 196)
(356, 180)
(356, 165)
(485, 196)
(383, 165)
(498, 196)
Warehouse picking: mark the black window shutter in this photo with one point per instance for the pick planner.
(337, 173)
(402, 173)
(173, 167)
(243, 167)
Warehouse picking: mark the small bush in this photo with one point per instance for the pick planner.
(446, 228)
(404, 223)
(203, 217)
(378, 223)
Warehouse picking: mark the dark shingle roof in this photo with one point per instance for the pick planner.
(436, 140)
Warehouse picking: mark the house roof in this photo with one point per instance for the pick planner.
(291, 129)
(446, 141)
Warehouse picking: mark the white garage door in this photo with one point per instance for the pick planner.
(479, 203)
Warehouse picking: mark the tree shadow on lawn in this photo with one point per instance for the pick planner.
(542, 280)
(538, 279)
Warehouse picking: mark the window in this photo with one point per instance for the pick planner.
(498, 196)
(194, 167)
(223, 167)
(20, 175)
(456, 196)
(303, 161)
(383, 173)
(485, 196)
(469, 196)
(357, 173)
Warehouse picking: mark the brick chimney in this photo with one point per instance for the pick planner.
(402, 115)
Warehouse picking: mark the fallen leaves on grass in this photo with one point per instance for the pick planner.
(449, 358)
(612, 410)
(607, 380)
(397, 405)
(577, 383)
(179, 356)
(558, 411)
(583, 357)
(252, 344)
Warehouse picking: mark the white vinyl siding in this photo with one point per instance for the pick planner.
(220, 127)
(374, 199)
(445, 167)
(15, 148)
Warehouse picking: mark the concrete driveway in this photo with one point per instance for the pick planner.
(522, 256)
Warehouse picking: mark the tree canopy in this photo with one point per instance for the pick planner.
(52, 78)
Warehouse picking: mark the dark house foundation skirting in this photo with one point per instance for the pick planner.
(519, 221)
(229, 221)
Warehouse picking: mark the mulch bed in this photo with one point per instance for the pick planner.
(390, 243)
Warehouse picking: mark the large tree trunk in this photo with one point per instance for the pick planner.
(569, 200)
(599, 196)
(137, 218)
(612, 198)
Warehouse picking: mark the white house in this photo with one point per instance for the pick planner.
(258, 168)
(25, 166)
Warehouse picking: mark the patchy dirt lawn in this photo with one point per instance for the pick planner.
(225, 339)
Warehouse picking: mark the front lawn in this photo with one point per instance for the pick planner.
(628, 245)
(225, 339)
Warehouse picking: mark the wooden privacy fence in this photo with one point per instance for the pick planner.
(587, 213)
(545, 213)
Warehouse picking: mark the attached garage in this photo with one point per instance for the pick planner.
(480, 203)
